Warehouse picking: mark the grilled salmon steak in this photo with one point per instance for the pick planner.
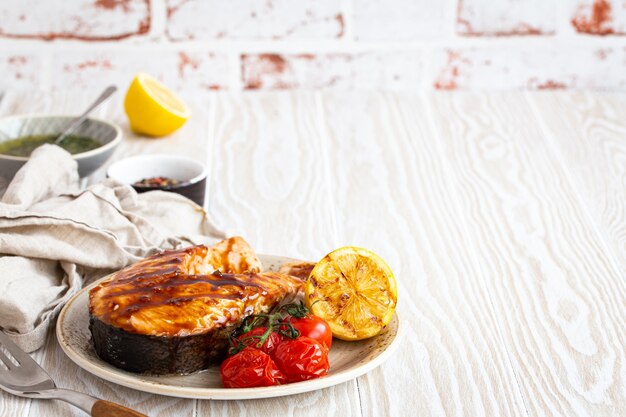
(173, 312)
(297, 269)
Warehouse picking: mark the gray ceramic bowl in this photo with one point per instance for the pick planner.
(104, 132)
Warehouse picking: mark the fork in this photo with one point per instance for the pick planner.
(22, 376)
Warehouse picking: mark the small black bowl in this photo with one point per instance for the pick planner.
(191, 175)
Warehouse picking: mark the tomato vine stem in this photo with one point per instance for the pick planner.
(274, 321)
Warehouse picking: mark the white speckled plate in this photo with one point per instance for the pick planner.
(347, 359)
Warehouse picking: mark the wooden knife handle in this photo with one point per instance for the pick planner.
(108, 409)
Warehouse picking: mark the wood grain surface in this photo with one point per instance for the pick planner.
(392, 192)
(589, 135)
(556, 289)
(501, 214)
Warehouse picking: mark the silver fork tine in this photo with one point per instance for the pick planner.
(30, 380)
(22, 357)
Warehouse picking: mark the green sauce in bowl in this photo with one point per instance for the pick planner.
(25, 145)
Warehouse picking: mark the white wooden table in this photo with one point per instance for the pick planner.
(502, 215)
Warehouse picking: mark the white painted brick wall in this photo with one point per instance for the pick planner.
(254, 19)
(506, 17)
(599, 17)
(395, 71)
(200, 45)
(178, 68)
(399, 20)
(74, 19)
(542, 67)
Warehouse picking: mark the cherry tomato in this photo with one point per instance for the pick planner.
(250, 368)
(252, 339)
(313, 327)
(301, 359)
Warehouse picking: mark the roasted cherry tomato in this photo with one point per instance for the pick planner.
(313, 327)
(250, 368)
(253, 339)
(301, 359)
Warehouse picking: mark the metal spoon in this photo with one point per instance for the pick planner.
(80, 119)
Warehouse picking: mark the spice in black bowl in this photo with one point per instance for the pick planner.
(157, 182)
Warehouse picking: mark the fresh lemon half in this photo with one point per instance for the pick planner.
(152, 109)
(354, 290)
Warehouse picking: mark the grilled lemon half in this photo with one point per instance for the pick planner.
(354, 290)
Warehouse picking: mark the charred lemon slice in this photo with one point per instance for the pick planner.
(354, 290)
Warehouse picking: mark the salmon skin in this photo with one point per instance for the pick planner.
(173, 312)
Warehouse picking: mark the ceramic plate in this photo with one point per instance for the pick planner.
(348, 360)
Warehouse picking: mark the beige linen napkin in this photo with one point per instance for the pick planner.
(55, 237)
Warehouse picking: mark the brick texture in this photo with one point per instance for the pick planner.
(254, 19)
(392, 71)
(600, 17)
(545, 68)
(19, 70)
(399, 20)
(74, 19)
(178, 69)
(203, 45)
(506, 17)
